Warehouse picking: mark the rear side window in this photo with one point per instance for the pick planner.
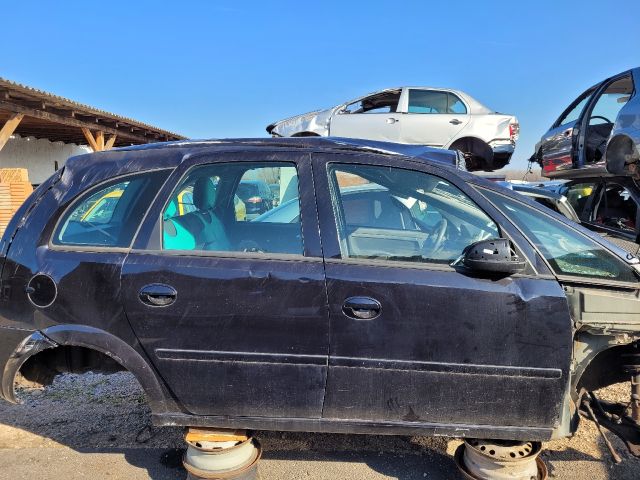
(109, 215)
(430, 101)
(229, 207)
(567, 250)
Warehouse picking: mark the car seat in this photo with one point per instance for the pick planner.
(201, 229)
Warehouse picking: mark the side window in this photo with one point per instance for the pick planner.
(617, 209)
(573, 112)
(383, 102)
(578, 196)
(567, 250)
(402, 215)
(231, 207)
(109, 215)
(431, 101)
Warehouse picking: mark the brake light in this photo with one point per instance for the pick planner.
(254, 200)
(514, 131)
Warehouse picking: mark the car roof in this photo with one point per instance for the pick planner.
(95, 167)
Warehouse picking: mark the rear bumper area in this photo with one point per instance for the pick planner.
(16, 346)
(502, 152)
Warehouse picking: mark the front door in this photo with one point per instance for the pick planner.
(233, 312)
(413, 339)
(372, 118)
(431, 117)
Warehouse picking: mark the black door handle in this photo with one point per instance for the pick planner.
(361, 308)
(455, 121)
(158, 295)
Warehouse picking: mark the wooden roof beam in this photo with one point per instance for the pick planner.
(9, 127)
(124, 134)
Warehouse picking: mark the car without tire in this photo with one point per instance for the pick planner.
(400, 295)
(438, 117)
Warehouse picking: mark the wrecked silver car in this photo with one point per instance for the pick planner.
(437, 117)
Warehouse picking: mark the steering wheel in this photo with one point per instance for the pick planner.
(601, 117)
(437, 237)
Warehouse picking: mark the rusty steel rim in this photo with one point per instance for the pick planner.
(225, 474)
(543, 473)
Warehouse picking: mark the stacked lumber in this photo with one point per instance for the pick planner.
(14, 190)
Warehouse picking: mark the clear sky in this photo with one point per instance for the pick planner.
(227, 69)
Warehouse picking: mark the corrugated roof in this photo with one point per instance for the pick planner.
(25, 97)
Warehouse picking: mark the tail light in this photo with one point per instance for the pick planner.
(254, 200)
(514, 131)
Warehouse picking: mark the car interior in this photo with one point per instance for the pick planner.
(617, 209)
(603, 116)
(394, 214)
(212, 223)
(383, 102)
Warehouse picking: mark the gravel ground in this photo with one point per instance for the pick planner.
(98, 426)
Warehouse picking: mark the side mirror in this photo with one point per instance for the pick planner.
(495, 255)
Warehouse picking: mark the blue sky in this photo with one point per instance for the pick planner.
(227, 69)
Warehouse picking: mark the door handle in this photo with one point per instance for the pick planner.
(392, 120)
(158, 295)
(361, 308)
(455, 121)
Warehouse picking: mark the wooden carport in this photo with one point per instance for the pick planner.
(28, 112)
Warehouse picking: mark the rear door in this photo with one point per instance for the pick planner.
(415, 340)
(431, 117)
(232, 312)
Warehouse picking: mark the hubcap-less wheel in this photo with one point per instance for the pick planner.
(501, 460)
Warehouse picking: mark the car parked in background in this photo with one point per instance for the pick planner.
(438, 117)
(257, 197)
(398, 289)
(598, 132)
(554, 200)
(606, 204)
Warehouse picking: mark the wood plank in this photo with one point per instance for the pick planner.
(100, 140)
(9, 127)
(90, 140)
(110, 142)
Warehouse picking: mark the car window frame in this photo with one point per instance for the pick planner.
(149, 237)
(588, 94)
(564, 277)
(86, 193)
(329, 230)
(403, 106)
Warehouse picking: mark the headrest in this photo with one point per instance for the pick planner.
(204, 194)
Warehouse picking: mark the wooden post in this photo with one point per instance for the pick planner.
(90, 140)
(100, 140)
(9, 127)
(110, 142)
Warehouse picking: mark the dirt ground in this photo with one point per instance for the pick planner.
(98, 426)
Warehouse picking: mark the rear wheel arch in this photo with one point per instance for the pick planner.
(305, 134)
(92, 345)
(478, 153)
(620, 154)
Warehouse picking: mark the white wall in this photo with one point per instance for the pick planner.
(38, 156)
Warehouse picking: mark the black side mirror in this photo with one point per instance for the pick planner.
(495, 255)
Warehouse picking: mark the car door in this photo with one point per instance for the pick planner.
(558, 149)
(232, 313)
(412, 338)
(615, 213)
(431, 117)
(374, 117)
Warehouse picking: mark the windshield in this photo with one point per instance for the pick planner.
(567, 251)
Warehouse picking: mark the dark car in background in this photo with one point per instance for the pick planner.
(548, 197)
(598, 132)
(257, 196)
(595, 146)
(402, 296)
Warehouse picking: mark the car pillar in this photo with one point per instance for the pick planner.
(221, 454)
